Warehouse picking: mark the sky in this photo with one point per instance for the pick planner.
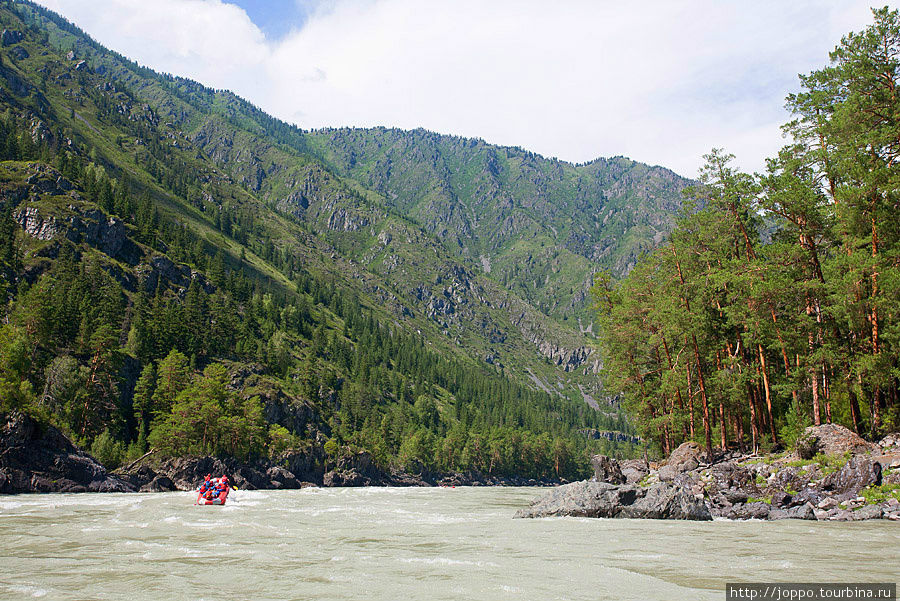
(658, 81)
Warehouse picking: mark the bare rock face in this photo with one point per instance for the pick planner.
(833, 439)
(607, 470)
(160, 483)
(604, 500)
(355, 470)
(41, 459)
(281, 478)
(10, 37)
(845, 483)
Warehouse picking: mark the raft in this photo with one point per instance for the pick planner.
(203, 499)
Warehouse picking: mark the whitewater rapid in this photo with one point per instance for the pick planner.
(403, 543)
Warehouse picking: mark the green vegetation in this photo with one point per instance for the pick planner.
(767, 500)
(827, 463)
(774, 304)
(879, 494)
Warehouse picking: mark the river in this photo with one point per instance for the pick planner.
(403, 544)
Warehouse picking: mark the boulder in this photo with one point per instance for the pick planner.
(684, 452)
(159, 484)
(828, 503)
(807, 446)
(786, 478)
(281, 478)
(634, 470)
(890, 443)
(801, 512)
(358, 469)
(856, 474)
(304, 465)
(667, 502)
(807, 495)
(186, 473)
(138, 476)
(752, 511)
(110, 484)
(601, 499)
(344, 478)
(607, 470)
(731, 476)
(869, 512)
(833, 439)
(581, 499)
(667, 473)
(249, 478)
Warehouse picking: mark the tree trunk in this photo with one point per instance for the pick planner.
(754, 426)
(765, 376)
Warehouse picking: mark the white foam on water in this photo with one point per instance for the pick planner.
(32, 591)
(448, 561)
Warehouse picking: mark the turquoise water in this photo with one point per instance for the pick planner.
(401, 543)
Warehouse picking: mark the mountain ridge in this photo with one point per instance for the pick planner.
(209, 187)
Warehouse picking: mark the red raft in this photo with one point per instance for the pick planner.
(213, 492)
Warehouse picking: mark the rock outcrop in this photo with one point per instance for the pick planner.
(604, 500)
(739, 488)
(607, 470)
(35, 458)
(10, 37)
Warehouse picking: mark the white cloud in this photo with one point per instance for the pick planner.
(661, 81)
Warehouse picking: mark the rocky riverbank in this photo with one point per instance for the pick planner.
(832, 475)
(35, 458)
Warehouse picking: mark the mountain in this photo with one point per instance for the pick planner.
(372, 288)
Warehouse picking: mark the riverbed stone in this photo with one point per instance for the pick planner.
(743, 511)
(869, 512)
(801, 512)
(781, 499)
